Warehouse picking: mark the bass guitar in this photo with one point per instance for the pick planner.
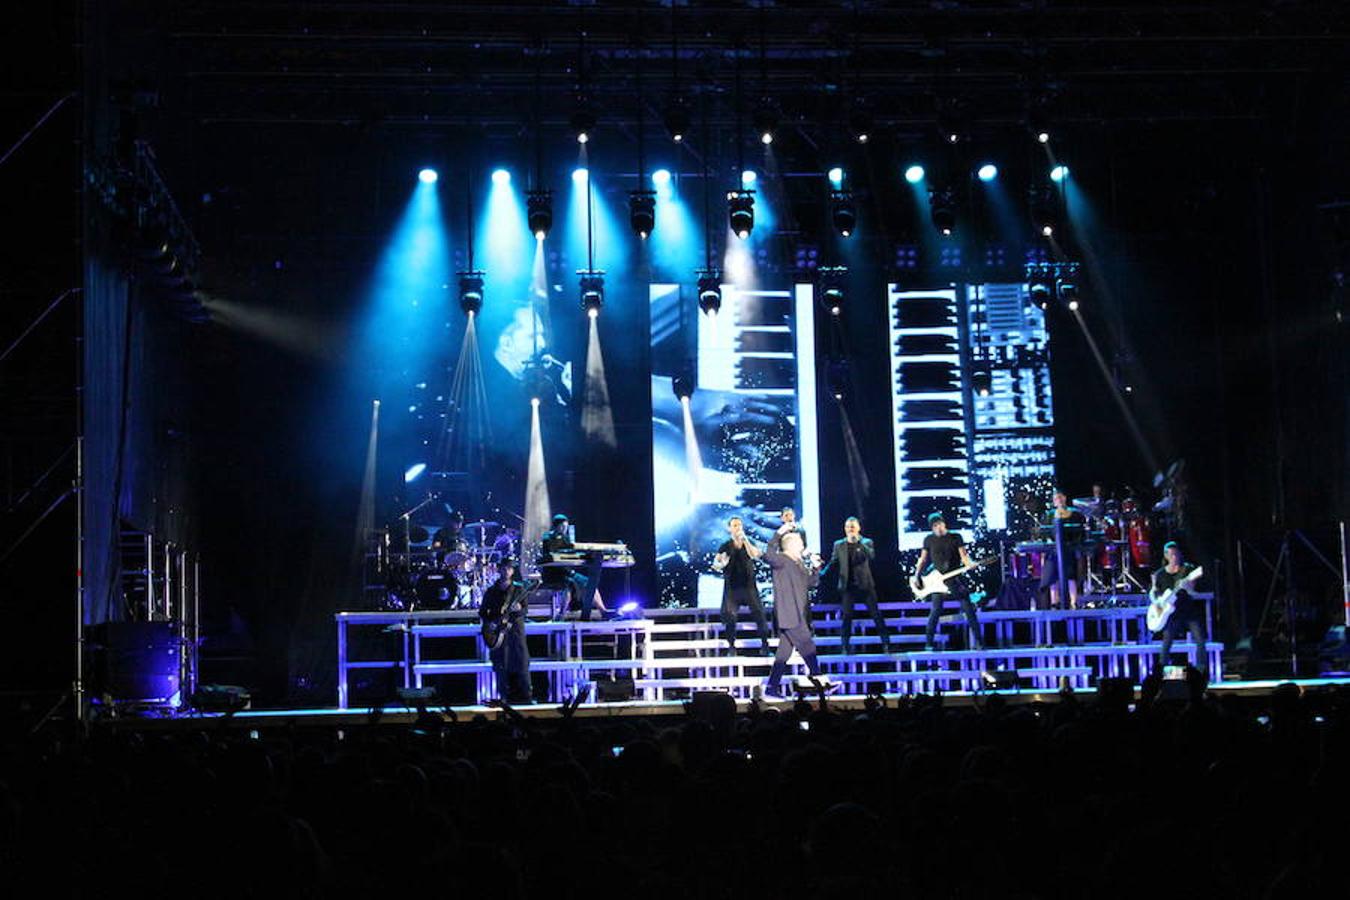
(936, 582)
(1161, 606)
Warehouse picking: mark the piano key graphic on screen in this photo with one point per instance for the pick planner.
(930, 411)
(932, 467)
(936, 478)
(932, 444)
(926, 345)
(929, 377)
(764, 342)
(925, 312)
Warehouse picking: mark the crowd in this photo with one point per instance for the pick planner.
(1090, 796)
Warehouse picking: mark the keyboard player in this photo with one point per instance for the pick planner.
(583, 585)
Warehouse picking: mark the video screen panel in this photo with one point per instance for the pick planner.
(985, 460)
(745, 444)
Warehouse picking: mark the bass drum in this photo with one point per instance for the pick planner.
(436, 588)
(1141, 542)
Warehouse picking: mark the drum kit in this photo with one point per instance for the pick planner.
(1116, 543)
(426, 567)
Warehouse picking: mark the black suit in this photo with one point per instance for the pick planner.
(855, 583)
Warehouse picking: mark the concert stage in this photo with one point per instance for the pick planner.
(667, 654)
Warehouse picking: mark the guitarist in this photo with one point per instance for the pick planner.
(505, 601)
(947, 552)
(1190, 612)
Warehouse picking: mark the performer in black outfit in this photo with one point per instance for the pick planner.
(1074, 551)
(1189, 614)
(947, 552)
(793, 579)
(852, 563)
(585, 588)
(511, 660)
(736, 561)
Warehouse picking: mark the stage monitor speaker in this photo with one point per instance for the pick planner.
(134, 662)
(614, 689)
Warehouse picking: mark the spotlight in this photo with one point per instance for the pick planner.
(710, 291)
(1040, 284)
(832, 287)
(583, 123)
(1059, 173)
(952, 129)
(427, 176)
(836, 176)
(914, 174)
(1038, 124)
(501, 177)
(842, 212)
(837, 377)
(942, 210)
(860, 125)
(539, 209)
(661, 177)
(677, 121)
(741, 212)
(580, 175)
(537, 382)
(592, 291)
(683, 385)
(470, 292)
(765, 119)
(1045, 211)
(987, 172)
(642, 212)
(413, 472)
(748, 177)
(1068, 292)
(981, 379)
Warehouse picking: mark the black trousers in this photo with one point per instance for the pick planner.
(511, 665)
(733, 598)
(796, 638)
(956, 591)
(1189, 617)
(848, 598)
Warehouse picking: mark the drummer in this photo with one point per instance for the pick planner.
(1074, 551)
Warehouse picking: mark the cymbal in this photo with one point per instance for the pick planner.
(483, 525)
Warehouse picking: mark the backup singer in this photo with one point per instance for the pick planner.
(851, 562)
(947, 553)
(1190, 612)
(736, 561)
(793, 578)
(1074, 554)
(505, 597)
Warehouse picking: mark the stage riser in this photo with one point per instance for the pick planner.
(685, 651)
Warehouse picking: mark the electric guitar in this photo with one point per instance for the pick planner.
(936, 582)
(1161, 606)
(495, 628)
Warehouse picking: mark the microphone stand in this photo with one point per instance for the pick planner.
(407, 532)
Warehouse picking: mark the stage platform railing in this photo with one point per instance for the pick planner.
(670, 652)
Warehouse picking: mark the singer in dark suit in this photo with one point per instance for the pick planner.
(851, 562)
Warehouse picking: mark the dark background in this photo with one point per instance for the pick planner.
(289, 136)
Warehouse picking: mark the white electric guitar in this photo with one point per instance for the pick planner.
(936, 582)
(1161, 606)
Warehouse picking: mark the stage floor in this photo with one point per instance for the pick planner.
(397, 714)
